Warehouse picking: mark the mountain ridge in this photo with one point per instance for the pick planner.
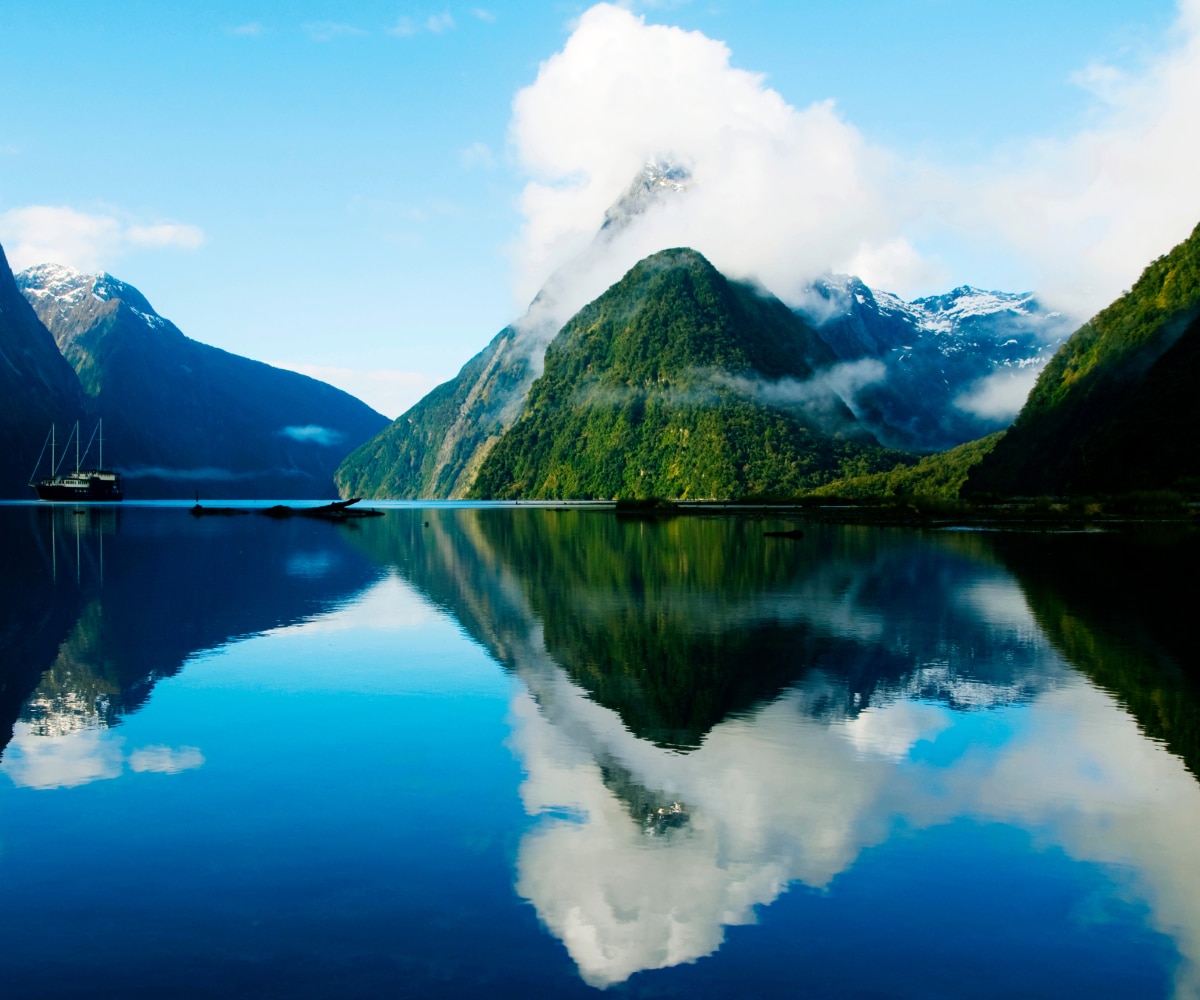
(38, 387)
(182, 416)
(1115, 409)
(669, 385)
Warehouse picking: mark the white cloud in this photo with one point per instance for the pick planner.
(314, 433)
(166, 235)
(437, 23)
(87, 241)
(1092, 210)
(777, 193)
(165, 760)
(1000, 395)
(62, 760)
(251, 30)
(484, 15)
(68, 759)
(783, 193)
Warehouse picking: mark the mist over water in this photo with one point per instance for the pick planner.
(462, 750)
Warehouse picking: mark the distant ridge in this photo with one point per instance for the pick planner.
(952, 367)
(183, 417)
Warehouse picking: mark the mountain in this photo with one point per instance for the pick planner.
(181, 416)
(941, 474)
(677, 382)
(1116, 409)
(37, 388)
(952, 368)
(436, 447)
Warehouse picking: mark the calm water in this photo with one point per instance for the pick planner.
(493, 752)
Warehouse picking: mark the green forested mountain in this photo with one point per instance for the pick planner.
(1116, 409)
(677, 382)
(182, 416)
(938, 475)
(37, 388)
(435, 448)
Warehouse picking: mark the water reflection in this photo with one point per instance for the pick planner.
(712, 716)
(85, 637)
(706, 718)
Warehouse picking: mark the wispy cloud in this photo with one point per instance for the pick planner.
(484, 15)
(183, 237)
(314, 433)
(329, 31)
(165, 760)
(251, 30)
(403, 28)
(87, 241)
(478, 154)
(435, 24)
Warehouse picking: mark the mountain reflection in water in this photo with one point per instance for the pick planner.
(84, 641)
(713, 715)
(705, 717)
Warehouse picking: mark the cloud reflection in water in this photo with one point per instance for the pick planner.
(794, 792)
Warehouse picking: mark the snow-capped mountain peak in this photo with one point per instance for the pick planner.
(956, 365)
(656, 180)
(70, 290)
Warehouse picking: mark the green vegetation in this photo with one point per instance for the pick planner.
(941, 475)
(1116, 408)
(435, 448)
(679, 383)
(661, 620)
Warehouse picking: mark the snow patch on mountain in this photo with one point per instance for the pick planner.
(959, 365)
(69, 289)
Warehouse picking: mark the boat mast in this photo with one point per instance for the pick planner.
(77, 447)
(101, 433)
(51, 450)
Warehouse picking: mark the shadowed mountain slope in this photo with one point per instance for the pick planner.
(37, 388)
(1116, 409)
(183, 416)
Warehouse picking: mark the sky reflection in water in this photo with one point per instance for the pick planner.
(299, 760)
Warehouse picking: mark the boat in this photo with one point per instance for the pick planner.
(81, 484)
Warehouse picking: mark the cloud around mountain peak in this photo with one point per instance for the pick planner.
(783, 194)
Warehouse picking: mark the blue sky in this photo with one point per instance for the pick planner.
(347, 190)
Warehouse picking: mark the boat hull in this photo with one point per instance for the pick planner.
(94, 488)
